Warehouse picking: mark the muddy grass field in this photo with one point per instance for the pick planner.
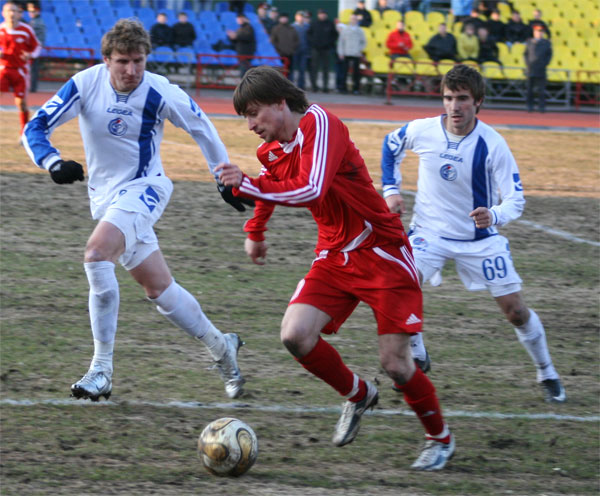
(143, 441)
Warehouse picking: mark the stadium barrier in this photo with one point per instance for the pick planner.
(60, 63)
(587, 88)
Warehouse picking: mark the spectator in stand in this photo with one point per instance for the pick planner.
(244, 42)
(442, 45)
(285, 39)
(263, 16)
(399, 42)
(488, 50)
(351, 45)
(461, 9)
(274, 17)
(184, 33)
(473, 19)
(236, 6)
(536, 21)
(538, 53)
(39, 27)
(18, 44)
(322, 36)
(382, 6)
(364, 16)
(495, 27)
(516, 31)
(300, 57)
(161, 33)
(468, 44)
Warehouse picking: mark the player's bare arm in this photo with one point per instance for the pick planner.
(482, 217)
(396, 204)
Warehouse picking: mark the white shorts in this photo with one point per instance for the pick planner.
(134, 210)
(482, 264)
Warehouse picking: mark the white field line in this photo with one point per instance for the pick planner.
(291, 409)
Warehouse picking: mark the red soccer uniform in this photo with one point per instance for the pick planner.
(15, 45)
(362, 250)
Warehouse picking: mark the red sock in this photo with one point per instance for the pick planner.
(24, 118)
(420, 395)
(326, 363)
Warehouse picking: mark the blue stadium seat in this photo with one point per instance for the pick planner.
(185, 55)
(228, 20)
(207, 18)
(124, 10)
(163, 54)
(221, 7)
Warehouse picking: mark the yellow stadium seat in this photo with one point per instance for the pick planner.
(504, 10)
(503, 50)
(514, 73)
(417, 52)
(425, 67)
(403, 65)
(390, 18)
(381, 64)
(457, 28)
(345, 15)
(376, 17)
(414, 17)
(445, 65)
(435, 18)
(492, 70)
(381, 34)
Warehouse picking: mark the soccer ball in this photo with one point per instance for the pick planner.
(228, 446)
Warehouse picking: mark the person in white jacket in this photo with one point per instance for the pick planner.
(351, 44)
(122, 110)
(468, 185)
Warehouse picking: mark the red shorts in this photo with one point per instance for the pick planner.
(17, 79)
(385, 278)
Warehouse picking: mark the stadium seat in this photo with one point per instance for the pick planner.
(345, 15)
(445, 65)
(514, 73)
(434, 18)
(380, 64)
(425, 67)
(402, 65)
(390, 18)
(492, 70)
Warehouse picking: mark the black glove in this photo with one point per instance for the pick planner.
(235, 201)
(66, 172)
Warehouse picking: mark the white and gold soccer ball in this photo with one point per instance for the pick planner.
(228, 447)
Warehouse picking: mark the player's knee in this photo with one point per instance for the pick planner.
(517, 315)
(296, 339)
(398, 366)
(94, 253)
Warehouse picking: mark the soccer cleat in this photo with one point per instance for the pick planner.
(228, 366)
(348, 424)
(435, 455)
(93, 385)
(554, 391)
(424, 365)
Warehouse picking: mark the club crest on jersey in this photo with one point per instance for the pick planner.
(117, 127)
(150, 198)
(419, 243)
(448, 172)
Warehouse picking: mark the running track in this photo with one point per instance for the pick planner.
(377, 110)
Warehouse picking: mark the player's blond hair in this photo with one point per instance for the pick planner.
(265, 85)
(126, 36)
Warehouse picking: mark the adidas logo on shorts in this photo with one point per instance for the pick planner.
(412, 319)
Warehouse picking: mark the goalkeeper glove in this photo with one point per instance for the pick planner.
(236, 202)
(66, 172)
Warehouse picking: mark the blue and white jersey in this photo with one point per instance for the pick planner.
(121, 132)
(455, 177)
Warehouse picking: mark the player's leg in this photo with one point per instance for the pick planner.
(532, 336)
(182, 309)
(420, 395)
(20, 87)
(102, 251)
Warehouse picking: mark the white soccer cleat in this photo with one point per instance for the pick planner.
(228, 366)
(435, 455)
(93, 385)
(348, 424)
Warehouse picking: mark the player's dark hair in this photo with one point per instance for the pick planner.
(265, 85)
(463, 77)
(126, 36)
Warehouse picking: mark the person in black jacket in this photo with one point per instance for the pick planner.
(364, 16)
(184, 33)
(488, 50)
(244, 41)
(495, 27)
(442, 45)
(538, 53)
(322, 36)
(161, 34)
(537, 21)
(516, 31)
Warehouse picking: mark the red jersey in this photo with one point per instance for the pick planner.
(16, 42)
(322, 169)
(399, 43)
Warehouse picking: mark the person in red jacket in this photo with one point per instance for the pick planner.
(18, 44)
(362, 253)
(399, 42)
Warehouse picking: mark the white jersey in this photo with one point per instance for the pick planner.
(455, 178)
(121, 133)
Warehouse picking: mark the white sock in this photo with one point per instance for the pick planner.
(533, 338)
(183, 310)
(104, 310)
(417, 347)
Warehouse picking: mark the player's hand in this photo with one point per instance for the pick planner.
(235, 201)
(256, 250)
(482, 217)
(396, 204)
(229, 174)
(66, 172)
